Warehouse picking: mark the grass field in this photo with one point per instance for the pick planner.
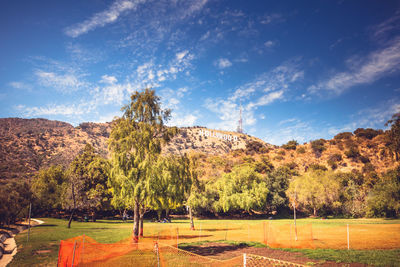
(42, 248)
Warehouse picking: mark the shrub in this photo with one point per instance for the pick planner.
(278, 158)
(301, 150)
(291, 145)
(316, 167)
(368, 133)
(352, 153)
(318, 146)
(254, 146)
(344, 135)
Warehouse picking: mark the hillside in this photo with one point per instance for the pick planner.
(27, 145)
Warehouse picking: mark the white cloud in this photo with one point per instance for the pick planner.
(181, 55)
(382, 62)
(108, 79)
(269, 44)
(264, 90)
(62, 82)
(102, 18)
(20, 85)
(223, 63)
(53, 109)
(180, 120)
(265, 99)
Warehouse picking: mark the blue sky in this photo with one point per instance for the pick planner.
(300, 69)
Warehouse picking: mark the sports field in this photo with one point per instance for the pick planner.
(371, 241)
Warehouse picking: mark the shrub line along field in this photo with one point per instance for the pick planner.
(42, 249)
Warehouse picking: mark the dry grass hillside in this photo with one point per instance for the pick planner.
(27, 145)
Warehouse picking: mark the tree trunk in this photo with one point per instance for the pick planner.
(167, 214)
(74, 201)
(315, 211)
(191, 218)
(70, 218)
(141, 225)
(94, 216)
(159, 212)
(141, 214)
(135, 235)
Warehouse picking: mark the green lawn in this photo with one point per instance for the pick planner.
(48, 235)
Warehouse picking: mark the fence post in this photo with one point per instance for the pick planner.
(200, 233)
(244, 260)
(177, 237)
(265, 235)
(348, 237)
(248, 231)
(269, 227)
(73, 254)
(158, 255)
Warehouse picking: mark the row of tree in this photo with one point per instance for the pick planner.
(139, 178)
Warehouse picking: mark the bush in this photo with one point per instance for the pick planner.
(255, 146)
(335, 157)
(316, 167)
(344, 135)
(352, 153)
(318, 146)
(301, 150)
(367, 133)
(291, 145)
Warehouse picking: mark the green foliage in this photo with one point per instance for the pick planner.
(47, 187)
(315, 190)
(291, 145)
(367, 133)
(384, 199)
(171, 183)
(264, 165)
(242, 189)
(353, 194)
(318, 146)
(14, 198)
(393, 140)
(344, 135)
(89, 175)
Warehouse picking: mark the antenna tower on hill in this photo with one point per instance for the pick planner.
(240, 126)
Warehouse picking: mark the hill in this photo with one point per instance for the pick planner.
(27, 145)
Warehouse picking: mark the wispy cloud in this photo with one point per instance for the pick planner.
(380, 63)
(65, 83)
(103, 18)
(264, 90)
(21, 85)
(270, 18)
(53, 110)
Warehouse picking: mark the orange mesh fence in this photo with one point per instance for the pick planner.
(85, 251)
(260, 261)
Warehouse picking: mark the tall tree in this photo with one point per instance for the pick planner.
(87, 182)
(47, 187)
(135, 144)
(394, 135)
(314, 190)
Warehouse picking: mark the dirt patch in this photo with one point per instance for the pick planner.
(42, 251)
(224, 251)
